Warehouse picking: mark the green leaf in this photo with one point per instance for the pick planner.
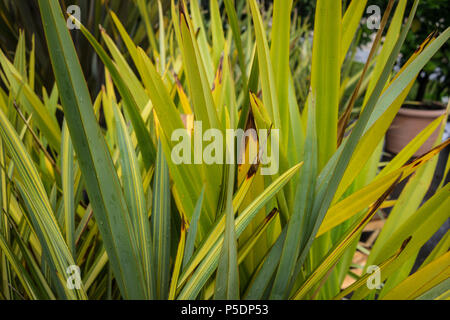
(102, 183)
(192, 231)
(423, 281)
(161, 225)
(279, 54)
(269, 91)
(67, 177)
(325, 75)
(210, 262)
(341, 245)
(40, 210)
(143, 136)
(134, 195)
(350, 23)
(420, 227)
(18, 268)
(227, 279)
(301, 217)
(30, 101)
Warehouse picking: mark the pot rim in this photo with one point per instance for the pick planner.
(417, 113)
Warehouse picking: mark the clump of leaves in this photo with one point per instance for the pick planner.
(111, 200)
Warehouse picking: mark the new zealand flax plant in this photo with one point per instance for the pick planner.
(97, 195)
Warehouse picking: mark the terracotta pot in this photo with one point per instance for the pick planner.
(407, 125)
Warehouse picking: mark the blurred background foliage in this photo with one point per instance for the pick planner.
(24, 15)
(432, 84)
